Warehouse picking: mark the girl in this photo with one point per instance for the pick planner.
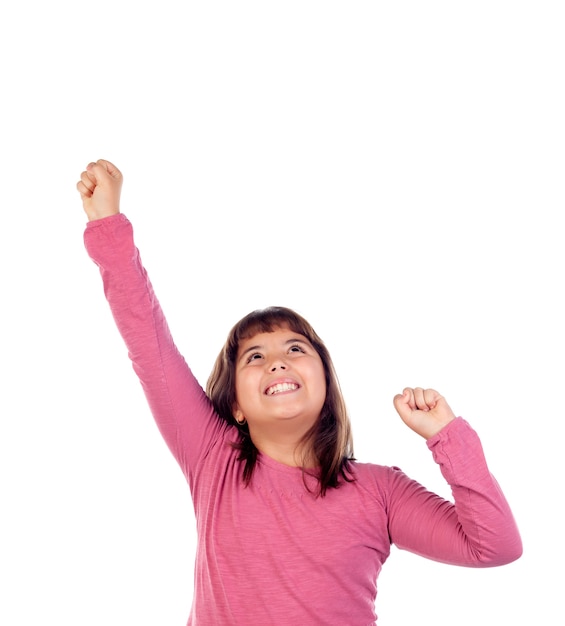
(291, 529)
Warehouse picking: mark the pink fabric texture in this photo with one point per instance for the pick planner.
(273, 553)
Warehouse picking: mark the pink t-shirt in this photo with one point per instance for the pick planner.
(273, 553)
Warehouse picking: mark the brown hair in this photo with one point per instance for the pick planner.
(330, 438)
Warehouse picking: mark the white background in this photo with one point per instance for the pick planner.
(394, 171)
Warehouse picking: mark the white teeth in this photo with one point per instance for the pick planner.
(271, 391)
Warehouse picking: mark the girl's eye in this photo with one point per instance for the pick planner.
(253, 357)
(296, 348)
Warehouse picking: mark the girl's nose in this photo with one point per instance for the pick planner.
(277, 365)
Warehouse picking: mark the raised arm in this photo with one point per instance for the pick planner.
(180, 407)
(477, 529)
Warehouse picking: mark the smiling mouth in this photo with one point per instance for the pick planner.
(280, 387)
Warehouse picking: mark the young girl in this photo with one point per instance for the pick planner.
(291, 529)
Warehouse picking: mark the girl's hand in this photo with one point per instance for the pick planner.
(425, 411)
(100, 186)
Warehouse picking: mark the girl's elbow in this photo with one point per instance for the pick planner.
(506, 554)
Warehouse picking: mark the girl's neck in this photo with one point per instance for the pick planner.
(286, 451)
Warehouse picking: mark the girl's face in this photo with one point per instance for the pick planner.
(279, 380)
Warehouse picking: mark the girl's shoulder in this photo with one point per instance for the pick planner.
(371, 471)
(375, 479)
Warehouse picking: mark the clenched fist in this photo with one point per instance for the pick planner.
(425, 411)
(100, 187)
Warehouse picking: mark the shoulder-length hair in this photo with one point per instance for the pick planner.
(329, 440)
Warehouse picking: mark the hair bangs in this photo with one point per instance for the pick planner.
(267, 321)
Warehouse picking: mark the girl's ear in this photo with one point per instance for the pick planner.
(238, 414)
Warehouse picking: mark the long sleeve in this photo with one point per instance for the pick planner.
(179, 405)
(477, 529)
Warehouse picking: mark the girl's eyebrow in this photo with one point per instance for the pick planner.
(298, 340)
